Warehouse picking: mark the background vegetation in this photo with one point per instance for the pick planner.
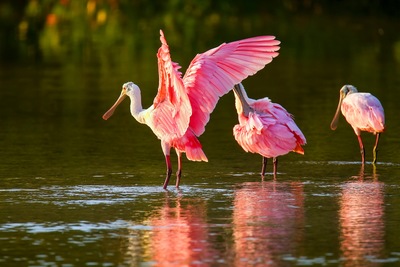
(84, 30)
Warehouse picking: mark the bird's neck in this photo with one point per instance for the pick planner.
(242, 102)
(137, 110)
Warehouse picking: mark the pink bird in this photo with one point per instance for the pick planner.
(182, 106)
(363, 112)
(265, 128)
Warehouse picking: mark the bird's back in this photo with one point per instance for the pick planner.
(281, 115)
(363, 112)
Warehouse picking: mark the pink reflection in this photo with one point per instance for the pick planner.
(361, 220)
(179, 235)
(268, 221)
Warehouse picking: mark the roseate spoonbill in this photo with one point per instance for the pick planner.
(363, 112)
(182, 106)
(265, 128)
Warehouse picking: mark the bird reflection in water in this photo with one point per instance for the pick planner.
(179, 234)
(268, 220)
(362, 220)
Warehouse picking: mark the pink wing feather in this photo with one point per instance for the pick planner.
(215, 72)
(172, 109)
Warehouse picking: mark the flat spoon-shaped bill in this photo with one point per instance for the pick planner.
(335, 119)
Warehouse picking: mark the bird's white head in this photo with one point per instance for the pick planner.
(131, 89)
(347, 89)
(128, 89)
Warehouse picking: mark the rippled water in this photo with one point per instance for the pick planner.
(231, 219)
(79, 191)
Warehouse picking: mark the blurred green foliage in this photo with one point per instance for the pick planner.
(62, 30)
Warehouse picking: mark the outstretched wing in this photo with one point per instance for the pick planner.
(215, 72)
(172, 109)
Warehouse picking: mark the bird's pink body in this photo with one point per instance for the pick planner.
(183, 105)
(269, 131)
(363, 112)
(265, 128)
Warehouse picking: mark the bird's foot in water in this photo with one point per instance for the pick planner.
(178, 178)
(167, 177)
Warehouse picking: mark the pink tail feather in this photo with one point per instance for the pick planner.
(196, 154)
(191, 146)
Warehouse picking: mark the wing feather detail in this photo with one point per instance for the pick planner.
(171, 104)
(214, 73)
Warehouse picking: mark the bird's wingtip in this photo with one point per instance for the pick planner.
(162, 38)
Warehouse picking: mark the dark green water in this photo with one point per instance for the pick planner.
(76, 190)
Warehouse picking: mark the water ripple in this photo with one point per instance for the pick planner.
(83, 226)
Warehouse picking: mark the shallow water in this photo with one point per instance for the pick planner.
(231, 219)
(79, 191)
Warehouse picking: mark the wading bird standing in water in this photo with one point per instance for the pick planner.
(363, 112)
(182, 106)
(265, 128)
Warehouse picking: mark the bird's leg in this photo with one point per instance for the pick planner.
(362, 150)
(275, 161)
(264, 166)
(375, 151)
(179, 171)
(166, 150)
(169, 171)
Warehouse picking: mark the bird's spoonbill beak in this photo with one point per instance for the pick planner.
(109, 113)
(335, 120)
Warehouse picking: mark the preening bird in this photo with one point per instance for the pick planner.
(182, 106)
(265, 128)
(363, 112)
